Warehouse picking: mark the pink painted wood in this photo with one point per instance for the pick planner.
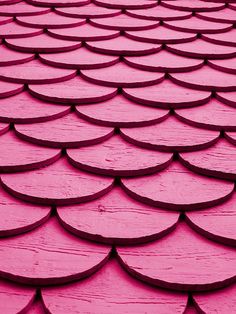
(84, 32)
(74, 91)
(35, 72)
(5, 20)
(116, 157)
(203, 49)
(182, 261)
(158, 96)
(124, 22)
(23, 108)
(161, 35)
(227, 98)
(227, 38)
(223, 16)
(195, 24)
(17, 155)
(164, 61)
(214, 115)
(10, 57)
(112, 290)
(226, 65)
(37, 308)
(81, 58)
(194, 5)
(42, 43)
(9, 1)
(206, 78)
(121, 75)
(123, 46)
(124, 4)
(220, 301)
(57, 3)
(15, 298)
(68, 131)
(22, 9)
(217, 223)
(58, 184)
(217, 161)
(49, 20)
(159, 13)
(49, 255)
(8, 89)
(14, 30)
(123, 223)
(170, 135)
(90, 10)
(18, 217)
(173, 189)
(4, 128)
(231, 137)
(121, 112)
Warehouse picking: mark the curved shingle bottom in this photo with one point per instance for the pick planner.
(117, 156)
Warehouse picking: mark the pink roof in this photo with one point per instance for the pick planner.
(117, 156)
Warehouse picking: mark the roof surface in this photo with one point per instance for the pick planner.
(117, 156)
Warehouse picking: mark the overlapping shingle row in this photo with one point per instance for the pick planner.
(117, 156)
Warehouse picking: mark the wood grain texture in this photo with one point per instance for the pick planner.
(111, 290)
(81, 58)
(217, 223)
(74, 91)
(164, 61)
(116, 157)
(123, 46)
(203, 49)
(90, 10)
(57, 184)
(35, 72)
(17, 155)
(15, 298)
(206, 78)
(21, 9)
(161, 35)
(68, 131)
(23, 108)
(49, 255)
(14, 30)
(49, 20)
(18, 217)
(159, 13)
(121, 112)
(173, 189)
(121, 75)
(41, 43)
(10, 57)
(219, 302)
(122, 222)
(170, 135)
(85, 32)
(196, 25)
(217, 161)
(158, 95)
(124, 22)
(182, 261)
(214, 116)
